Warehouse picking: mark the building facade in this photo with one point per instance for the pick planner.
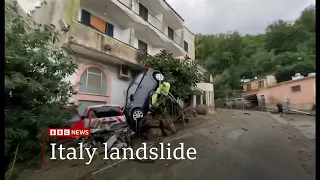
(203, 93)
(106, 37)
(298, 93)
(258, 83)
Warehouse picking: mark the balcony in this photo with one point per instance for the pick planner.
(125, 15)
(110, 10)
(170, 16)
(177, 39)
(89, 42)
(152, 28)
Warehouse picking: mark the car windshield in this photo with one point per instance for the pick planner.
(134, 85)
(105, 111)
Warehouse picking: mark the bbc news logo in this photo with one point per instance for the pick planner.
(69, 132)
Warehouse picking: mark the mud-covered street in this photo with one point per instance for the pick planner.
(231, 144)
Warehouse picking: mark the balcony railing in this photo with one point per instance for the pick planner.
(177, 39)
(91, 38)
(156, 23)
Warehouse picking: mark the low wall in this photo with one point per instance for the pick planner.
(301, 107)
(219, 103)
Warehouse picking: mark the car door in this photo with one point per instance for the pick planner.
(133, 87)
(142, 95)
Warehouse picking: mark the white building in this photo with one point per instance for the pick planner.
(106, 36)
(204, 91)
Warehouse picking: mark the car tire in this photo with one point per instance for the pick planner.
(137, 114)
(158, 76)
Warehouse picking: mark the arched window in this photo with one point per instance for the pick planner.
(93, 81)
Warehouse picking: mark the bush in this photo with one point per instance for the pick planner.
(35, 88)
(181, 74)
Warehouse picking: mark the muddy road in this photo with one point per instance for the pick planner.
(231, 145)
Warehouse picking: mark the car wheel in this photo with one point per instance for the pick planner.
(158, 76)
(137, 114)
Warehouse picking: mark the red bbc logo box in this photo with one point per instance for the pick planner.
(68, 132)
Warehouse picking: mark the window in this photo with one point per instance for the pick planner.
(109, 29)
(106, 111)
(124, 70)
(134, 85)
(260, 84)
(83, 106)
(93, 81)
(85, 17)
(142, 46)
(249, 88)
(296, 88)
(97, 23)
(186, 46)
(170, 33)
(143, 12)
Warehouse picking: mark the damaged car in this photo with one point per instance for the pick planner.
(139, 95)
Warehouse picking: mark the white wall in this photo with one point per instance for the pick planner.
(135, 6)
(126, 2)
(126, 36)
(159, 17)
(151, 50)
(205, 86)
(49, 13)
(189, 38)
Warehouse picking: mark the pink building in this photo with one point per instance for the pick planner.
(298, 94)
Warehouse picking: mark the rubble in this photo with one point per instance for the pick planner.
(202, 109)
(164, 124)
(153, 134)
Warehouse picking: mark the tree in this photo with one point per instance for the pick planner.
(182, 74)
(284, 49)
(36, 91)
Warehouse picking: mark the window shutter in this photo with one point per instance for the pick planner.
(85, 17)
(98, 23)
(110, 29)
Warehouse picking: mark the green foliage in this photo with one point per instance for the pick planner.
(182, 74)
(35, 87)
(284, 49)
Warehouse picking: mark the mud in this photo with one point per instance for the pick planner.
(231, 144)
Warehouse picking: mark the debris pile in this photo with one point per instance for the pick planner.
(164, 124)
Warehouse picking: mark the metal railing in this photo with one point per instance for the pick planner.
(177, 40)
(155, 22)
